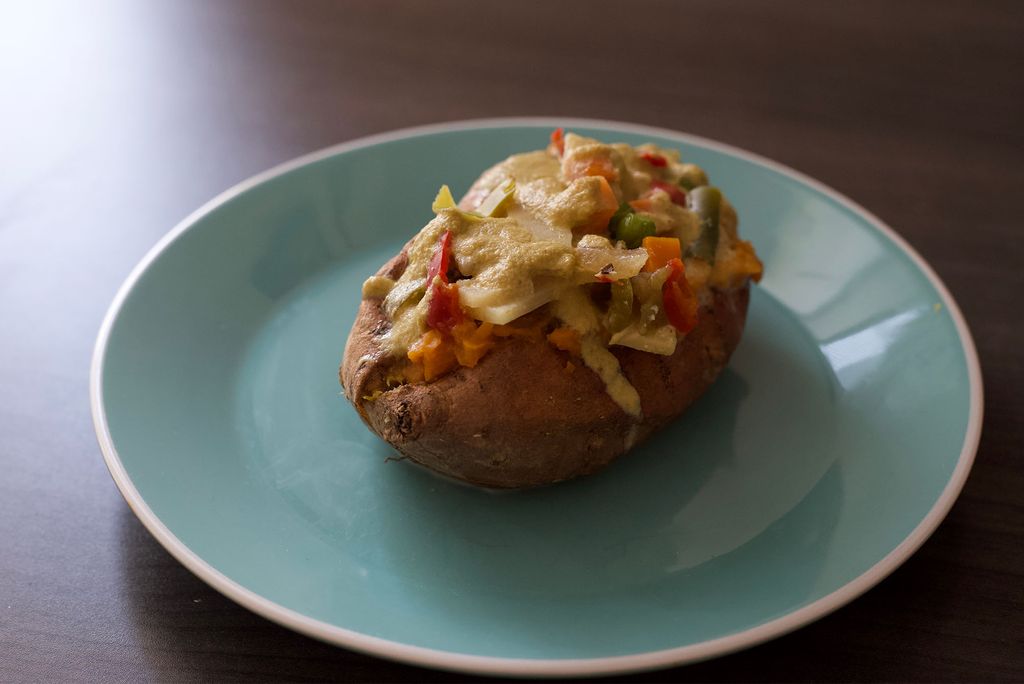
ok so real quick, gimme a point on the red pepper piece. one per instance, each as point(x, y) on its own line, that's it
point(444, 312)
point(677, 194)
point(558, 140)
point(679, 300)
point(654, 159)
point(676, 270)
point(441, 259)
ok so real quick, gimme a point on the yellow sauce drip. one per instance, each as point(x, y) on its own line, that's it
point(377, 287)
point(576, 310)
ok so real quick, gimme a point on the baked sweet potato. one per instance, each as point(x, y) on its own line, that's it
point(501, 391)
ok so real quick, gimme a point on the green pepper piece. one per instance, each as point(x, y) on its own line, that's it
point(692, 176)
point(620, 310)
point(647, 287)
point(622, 212)
point(706, 202)
point(633, 228)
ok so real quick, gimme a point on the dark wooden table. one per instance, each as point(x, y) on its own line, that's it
point(117, 119)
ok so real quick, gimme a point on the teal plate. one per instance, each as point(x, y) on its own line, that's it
point(827, 452)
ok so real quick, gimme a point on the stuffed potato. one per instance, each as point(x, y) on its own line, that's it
point(577, 299)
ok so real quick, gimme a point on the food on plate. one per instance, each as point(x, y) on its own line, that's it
point(575, 300)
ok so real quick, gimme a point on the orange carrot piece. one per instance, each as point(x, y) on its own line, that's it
point(660, 251)
point(592, 166)
point(607, 205)
point(643, 204)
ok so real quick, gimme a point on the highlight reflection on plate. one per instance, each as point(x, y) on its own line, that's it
point(831, 447)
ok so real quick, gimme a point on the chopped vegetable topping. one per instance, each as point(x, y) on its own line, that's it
point(660, 251)
point(558, 140)
point(633, 228)
point(645, 203)
point(692, 176)
point(621, 212)
point(647, 287)
point(620, 310)
point(444, 312)
point(630, 228)
point(595, 254)
point(443, 200)
point(654, 159)
point(673, 191)
point(680, 302)
point(441, 259)
point(546, 229)
point(592, 166)
point(497, 199)
point(706, 201)
point(606, 207)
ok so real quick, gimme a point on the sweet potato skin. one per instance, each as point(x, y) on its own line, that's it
point(520, 418)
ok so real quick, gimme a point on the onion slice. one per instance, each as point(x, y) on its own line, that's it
point(661, 340)
point(541, 230)
point(598, 259)
point(501, 313)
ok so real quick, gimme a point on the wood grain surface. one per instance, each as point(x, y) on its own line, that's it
point(119, 118)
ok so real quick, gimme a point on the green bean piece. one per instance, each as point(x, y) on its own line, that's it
point(620, 310)
point(633, 228)
point(706, 202)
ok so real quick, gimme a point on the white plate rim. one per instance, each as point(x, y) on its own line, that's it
point(487, 665)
